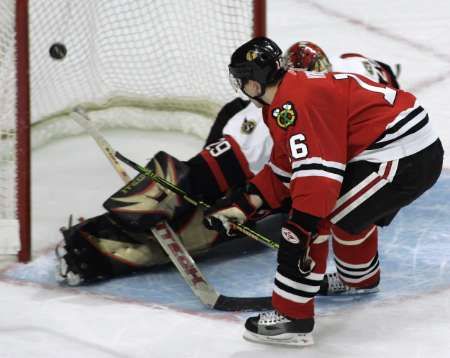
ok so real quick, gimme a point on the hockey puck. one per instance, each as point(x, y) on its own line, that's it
point(58, 51)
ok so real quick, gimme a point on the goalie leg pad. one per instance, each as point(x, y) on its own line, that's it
point(98, 248)
point(143, 202)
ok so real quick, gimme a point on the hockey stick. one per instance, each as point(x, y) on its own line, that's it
point(167, 184)
point(80, 116)
point(195, 279)
point(172, 245)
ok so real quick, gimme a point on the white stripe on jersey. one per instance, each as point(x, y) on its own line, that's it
point(316, 166)
point(309, 172)
point(402, 147)
point(317, 173)
point(404, 128)
point(402, 115)
point(279, 171)
point(317, 160)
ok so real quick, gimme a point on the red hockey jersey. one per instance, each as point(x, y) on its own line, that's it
point(319, 122)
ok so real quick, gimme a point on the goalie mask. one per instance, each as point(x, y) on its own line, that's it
point(259, 59)
point(305, 55)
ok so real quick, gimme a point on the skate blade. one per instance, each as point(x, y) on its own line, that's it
point(354, 292)
point(285, 339)
point(61, 266)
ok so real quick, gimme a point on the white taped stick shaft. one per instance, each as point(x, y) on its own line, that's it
point(80, 116)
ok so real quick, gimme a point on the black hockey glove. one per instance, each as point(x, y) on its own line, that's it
point(235, 207)
point(296, 241)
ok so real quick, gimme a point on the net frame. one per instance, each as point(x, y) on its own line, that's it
point(23, 115)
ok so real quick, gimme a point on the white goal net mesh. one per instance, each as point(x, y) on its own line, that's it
point(160, 55)
point(133, 63)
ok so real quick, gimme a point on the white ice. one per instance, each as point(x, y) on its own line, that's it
point(72, 177)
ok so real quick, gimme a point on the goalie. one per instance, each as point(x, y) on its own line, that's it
point(238, 146)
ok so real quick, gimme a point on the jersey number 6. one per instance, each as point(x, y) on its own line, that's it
point(298, 147)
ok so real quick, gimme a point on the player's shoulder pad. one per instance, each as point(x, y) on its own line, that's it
point(225, 114)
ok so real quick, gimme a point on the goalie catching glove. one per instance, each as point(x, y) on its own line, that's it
point(236, 207)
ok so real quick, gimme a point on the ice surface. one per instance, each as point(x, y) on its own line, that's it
point(410, 317)
point(414, 256)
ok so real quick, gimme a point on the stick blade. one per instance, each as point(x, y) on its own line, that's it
point(243, 304)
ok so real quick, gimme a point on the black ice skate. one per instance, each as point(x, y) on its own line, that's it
point(274, 328)
point(332, 285)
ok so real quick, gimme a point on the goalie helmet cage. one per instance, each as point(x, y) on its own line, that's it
point(116, 58)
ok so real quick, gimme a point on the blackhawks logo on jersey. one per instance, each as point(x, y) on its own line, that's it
point(286, 115)
point(248, 126)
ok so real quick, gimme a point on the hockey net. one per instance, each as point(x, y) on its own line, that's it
point(158, 64)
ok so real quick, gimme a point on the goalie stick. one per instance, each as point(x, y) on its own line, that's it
point(80, 116)
point(171, 243)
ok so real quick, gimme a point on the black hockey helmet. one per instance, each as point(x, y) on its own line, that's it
point(259, 59)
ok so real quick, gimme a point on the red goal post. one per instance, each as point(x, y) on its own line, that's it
point(111, 55)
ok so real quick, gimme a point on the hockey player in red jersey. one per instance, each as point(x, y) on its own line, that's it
point(349, 153)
